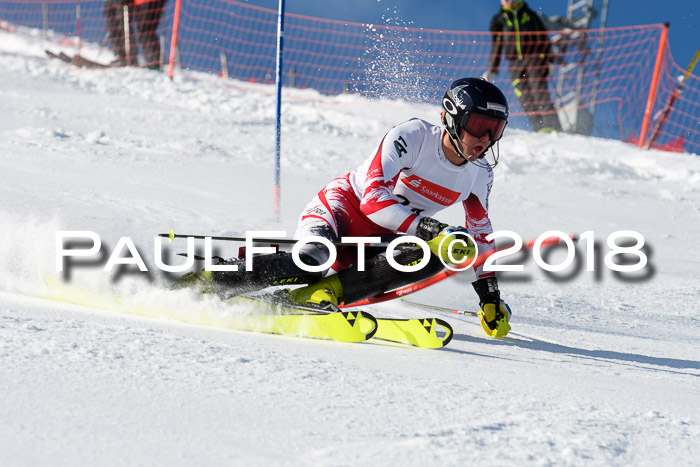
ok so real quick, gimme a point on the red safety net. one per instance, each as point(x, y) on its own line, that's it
point(594, 82)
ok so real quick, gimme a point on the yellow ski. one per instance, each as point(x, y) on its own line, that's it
point(276, 318)
point(257, 315)
point(344, 326)
point(429, 333)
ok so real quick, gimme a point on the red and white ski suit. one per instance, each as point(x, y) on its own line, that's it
point(408, 177)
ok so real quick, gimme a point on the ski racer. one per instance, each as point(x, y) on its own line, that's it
point(417, 170)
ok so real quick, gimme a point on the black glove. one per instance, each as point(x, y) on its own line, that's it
point(429, 228)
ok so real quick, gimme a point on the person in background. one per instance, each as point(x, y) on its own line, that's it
point(519, 33)
point(115, 25)
point(147, 15)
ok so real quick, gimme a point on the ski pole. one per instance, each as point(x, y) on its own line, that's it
point(415, 287)
point(172, 235)
point(441, 308)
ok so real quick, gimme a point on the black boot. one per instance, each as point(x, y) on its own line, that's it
point(379, 276)
point(267, 270)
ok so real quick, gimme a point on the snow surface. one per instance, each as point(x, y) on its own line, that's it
point(600, 369)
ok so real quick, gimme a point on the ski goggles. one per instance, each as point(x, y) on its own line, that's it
point(478, 125)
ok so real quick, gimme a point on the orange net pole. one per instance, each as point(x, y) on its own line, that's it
point(173, 39)
point(654, 85)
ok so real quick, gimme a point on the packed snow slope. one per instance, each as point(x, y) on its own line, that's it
point(600, 368)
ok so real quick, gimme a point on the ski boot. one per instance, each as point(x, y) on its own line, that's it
point(326, 293)
point(202, 282)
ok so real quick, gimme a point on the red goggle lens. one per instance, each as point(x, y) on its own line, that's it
point(479, 124)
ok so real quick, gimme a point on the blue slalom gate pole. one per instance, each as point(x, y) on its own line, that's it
point(278, 109)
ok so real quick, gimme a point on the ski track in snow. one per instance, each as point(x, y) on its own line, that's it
point(599, 369)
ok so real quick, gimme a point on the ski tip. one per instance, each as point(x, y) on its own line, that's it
point(426, 333)
point(447, 331)
point(371, 318)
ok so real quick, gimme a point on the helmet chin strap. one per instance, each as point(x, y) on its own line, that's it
point(482, 162)
point(459, 148)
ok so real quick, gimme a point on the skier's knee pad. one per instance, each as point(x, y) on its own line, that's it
point(314, 254)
